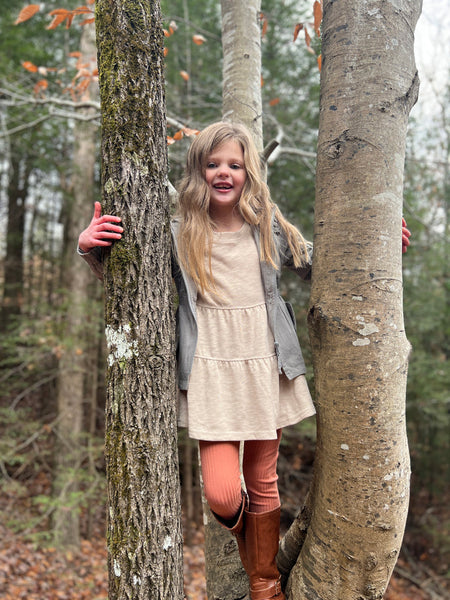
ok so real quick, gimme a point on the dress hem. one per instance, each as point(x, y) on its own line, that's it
point(242, 437)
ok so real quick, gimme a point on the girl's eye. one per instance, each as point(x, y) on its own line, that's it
point(236, 166)
point(210, 165)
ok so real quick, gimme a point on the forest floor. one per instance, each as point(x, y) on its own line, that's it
point(34, 571)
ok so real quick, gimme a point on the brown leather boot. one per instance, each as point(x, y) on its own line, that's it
point(236, 526)
point(262, 532)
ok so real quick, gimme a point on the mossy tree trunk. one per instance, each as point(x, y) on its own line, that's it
point(356, 519)
point(144, 527)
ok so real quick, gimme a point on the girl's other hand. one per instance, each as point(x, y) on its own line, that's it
point(405, 235)
point(101, 231)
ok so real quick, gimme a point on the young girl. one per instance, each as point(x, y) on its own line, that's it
point(240, 367)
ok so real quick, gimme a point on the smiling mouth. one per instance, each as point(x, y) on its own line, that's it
point(223, 186)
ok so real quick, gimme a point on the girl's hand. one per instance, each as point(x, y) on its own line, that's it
point(405, 235)
point(101, 231)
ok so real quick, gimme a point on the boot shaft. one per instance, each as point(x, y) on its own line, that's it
point(262, 535)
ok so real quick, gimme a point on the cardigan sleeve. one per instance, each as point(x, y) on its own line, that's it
point(286, 258)
point(94, 259)
point(304, 271)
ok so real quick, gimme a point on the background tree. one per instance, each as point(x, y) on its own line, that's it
point(241, 102)
point(427, 202)
point(13, 290)
point(81, 316)
point(241, 71)
point(144, 527)
point(21, 162)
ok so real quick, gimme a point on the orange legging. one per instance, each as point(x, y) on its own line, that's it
point(221, 475)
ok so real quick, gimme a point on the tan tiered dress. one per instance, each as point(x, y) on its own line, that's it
point(235, 391)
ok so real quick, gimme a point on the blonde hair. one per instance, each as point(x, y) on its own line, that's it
point(196, 226)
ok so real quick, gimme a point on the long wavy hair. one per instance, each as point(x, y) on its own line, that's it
point(196, 226)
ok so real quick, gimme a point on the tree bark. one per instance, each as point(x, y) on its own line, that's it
point(13, 283)
point(241, 74)
point(144, 526)
point(369, 84)
point(226, 578)
point(79, 315)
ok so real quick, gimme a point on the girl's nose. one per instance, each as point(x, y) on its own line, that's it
point(223, 170)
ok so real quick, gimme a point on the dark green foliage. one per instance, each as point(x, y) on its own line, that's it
point(26, 450)
point(426, 304)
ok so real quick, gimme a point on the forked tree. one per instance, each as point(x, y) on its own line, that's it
point(349, 535)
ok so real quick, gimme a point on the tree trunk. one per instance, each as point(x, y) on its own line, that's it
point(369, 84)
point(79, 315)
point(144, 526)
point(226, 578)
point(241, 75)
point(19, 173)
point(241, 43)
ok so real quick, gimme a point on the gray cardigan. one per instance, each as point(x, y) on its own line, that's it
point(280, 314)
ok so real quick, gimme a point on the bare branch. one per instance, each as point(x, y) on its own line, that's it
point(24, 126)
point(297, 151)
point(271, 146)
point(197, 28)
point(51, 100)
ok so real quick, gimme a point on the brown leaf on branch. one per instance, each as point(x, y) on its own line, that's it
point(29, 66)
point(297, 30)
point(40, 86)
point(188, 131)
point(27, 12)
point(265, 24)
point(308, 42)
point(80, 10)
point(317, 17)
point(198, 39)
point(59, 16)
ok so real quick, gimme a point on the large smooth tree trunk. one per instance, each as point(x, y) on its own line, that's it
point(369, 84)
point(144, 524)
point(80, 315)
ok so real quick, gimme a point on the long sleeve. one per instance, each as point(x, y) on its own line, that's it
point(94, 259)
point(305, 270)
point(286, 259)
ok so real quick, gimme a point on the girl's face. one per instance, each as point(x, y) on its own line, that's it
point(225, 176)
